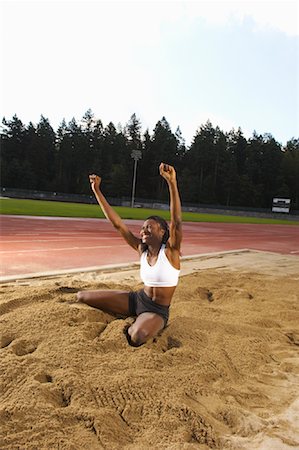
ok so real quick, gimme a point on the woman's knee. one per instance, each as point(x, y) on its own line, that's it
point(138, 335)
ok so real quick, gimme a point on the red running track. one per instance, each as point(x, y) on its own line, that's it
point(34, 245)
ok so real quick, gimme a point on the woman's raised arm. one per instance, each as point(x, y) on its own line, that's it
point(175, 229)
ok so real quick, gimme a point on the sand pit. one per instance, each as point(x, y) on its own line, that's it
point(224, 374)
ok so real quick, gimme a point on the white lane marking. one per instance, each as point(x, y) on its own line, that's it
point(27, 234)
point(295, 251)
point(61, 249)
point(59, 240)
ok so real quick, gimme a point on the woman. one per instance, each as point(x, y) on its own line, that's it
point(159, 250)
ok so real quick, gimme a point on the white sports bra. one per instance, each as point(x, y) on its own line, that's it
point(161, 274)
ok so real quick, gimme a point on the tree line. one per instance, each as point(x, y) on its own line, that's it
point(216, 168)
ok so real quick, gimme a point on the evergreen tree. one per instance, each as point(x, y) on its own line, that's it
point(253, 191)
point(90, 141)
point(133, 132)
point(144, 173)
point(234, 167)
point(63, 156)
point(43, 158)
point(98, 147)
point(220, 171)
point(70, 156)
point(15, 167)
point(114, 154)
point(202, 161)
point(31, 145)
point(290, 169)
point(163, 147)
point(263, 169)
point(181, 144)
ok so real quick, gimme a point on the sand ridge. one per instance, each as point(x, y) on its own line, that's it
point(224, 373)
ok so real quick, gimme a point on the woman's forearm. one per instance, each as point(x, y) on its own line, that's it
point(109, 212)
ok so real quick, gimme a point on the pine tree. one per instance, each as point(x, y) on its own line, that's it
point(290, 169)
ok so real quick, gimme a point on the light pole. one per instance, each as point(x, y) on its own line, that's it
point(136, 155)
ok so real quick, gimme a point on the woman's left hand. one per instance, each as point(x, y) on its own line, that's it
point(167, 172)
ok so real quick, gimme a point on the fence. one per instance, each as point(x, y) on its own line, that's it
point(148, 203)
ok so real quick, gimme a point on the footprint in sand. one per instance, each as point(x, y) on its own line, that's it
point(5, 341)
point(171, 343)
point(204, 294)
point(43, 378)
point(293, 337)
point(51, 393)
point(23, 347)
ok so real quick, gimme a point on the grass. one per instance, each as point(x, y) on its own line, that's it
point(64, 209)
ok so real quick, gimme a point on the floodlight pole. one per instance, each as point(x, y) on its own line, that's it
point(136, 155)
point(134, 183)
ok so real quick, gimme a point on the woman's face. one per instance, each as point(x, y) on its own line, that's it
point(151, 232)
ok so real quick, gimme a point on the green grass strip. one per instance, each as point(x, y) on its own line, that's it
point(64, 209)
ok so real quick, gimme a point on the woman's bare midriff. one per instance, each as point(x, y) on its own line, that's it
point(160, 295)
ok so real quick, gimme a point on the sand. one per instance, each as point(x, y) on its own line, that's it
point(223, 375)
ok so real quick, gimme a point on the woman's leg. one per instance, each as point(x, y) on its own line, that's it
point(146, 326)
point(116, 302)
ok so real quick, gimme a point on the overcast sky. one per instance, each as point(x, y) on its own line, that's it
point(235, 63)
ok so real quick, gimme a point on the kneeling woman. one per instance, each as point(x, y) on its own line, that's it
point(159, 250)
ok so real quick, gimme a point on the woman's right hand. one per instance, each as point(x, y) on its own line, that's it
point(95, 182)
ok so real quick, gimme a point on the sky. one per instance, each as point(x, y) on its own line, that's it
point(233, 63)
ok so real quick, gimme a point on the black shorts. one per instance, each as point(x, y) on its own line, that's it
point(139, 303)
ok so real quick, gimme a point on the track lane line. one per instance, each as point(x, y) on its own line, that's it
point(58, 249)
point(58, 240)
